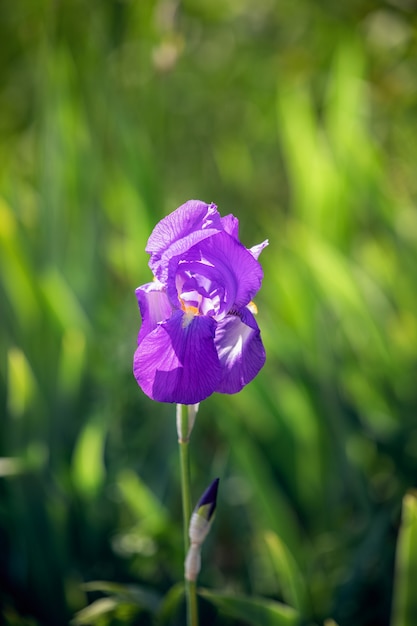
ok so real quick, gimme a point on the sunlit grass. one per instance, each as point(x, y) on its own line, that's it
point(301, 122)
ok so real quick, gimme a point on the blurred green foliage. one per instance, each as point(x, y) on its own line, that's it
point(298, 117)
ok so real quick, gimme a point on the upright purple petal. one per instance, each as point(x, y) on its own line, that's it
point(235, 264)
point(177, 361)
point(240, 349)
point(230, 224)
point(201, 283)
point(177, 232)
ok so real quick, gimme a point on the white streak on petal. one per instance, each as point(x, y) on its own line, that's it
point(256, 250)
point(240, 349)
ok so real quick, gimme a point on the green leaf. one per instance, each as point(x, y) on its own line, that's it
point(21, 382)
point(133, 594)
point(103, 611)
point(144, 505)
point(289, 576)
point(170, 604)
point(404, 612)
point(254, 611)
point(63, 301)
point(88, 468)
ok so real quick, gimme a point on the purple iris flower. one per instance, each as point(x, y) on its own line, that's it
point(198, 333)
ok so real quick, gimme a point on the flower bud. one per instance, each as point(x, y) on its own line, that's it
point(199, 527)
point(193, 563)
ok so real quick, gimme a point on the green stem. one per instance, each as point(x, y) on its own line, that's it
point(192, 603)
point(183, 441)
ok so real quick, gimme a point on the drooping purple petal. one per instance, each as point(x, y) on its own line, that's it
point(177, 361)
point(235, 264)
point(154, 307)
point(177, 232)
point(240, 349)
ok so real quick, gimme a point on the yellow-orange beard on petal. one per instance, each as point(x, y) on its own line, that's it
point(189, 313)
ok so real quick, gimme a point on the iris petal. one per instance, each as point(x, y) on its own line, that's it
point(176, 233)
point(240, 349)
point(178, 361)
point(214, 284)
point(235, 264)
point(154, 307)
point(230, 224)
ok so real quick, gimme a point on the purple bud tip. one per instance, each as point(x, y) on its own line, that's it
point(209, 499)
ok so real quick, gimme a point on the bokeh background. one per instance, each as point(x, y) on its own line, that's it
point(300, 118)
